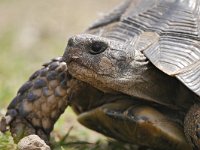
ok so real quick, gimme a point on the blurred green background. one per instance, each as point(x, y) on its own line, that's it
point(33, 32)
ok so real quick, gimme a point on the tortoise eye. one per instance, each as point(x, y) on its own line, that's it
point(97, 47)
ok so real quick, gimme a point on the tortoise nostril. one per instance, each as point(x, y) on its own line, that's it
point(70, 42)
point(97, 47)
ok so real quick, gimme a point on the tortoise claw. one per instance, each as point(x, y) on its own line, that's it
point(21, 128)
point(3, 125)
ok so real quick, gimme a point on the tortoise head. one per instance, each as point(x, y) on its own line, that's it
point(104, 63)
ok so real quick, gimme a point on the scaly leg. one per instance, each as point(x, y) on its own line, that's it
point(192, 126)
point(39, 102)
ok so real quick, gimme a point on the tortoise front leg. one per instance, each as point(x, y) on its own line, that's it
point(192, 126)
point(40, 101)
point(136, 123)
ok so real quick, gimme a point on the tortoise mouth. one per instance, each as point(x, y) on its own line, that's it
point(86, 74)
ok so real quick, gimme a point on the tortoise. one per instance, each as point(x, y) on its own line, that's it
point(132, 76)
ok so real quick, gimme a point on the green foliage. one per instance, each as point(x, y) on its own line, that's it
point(73, 143)
point(6, 142)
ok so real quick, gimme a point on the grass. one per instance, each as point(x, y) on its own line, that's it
point(7, 142)
point(31, 34)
